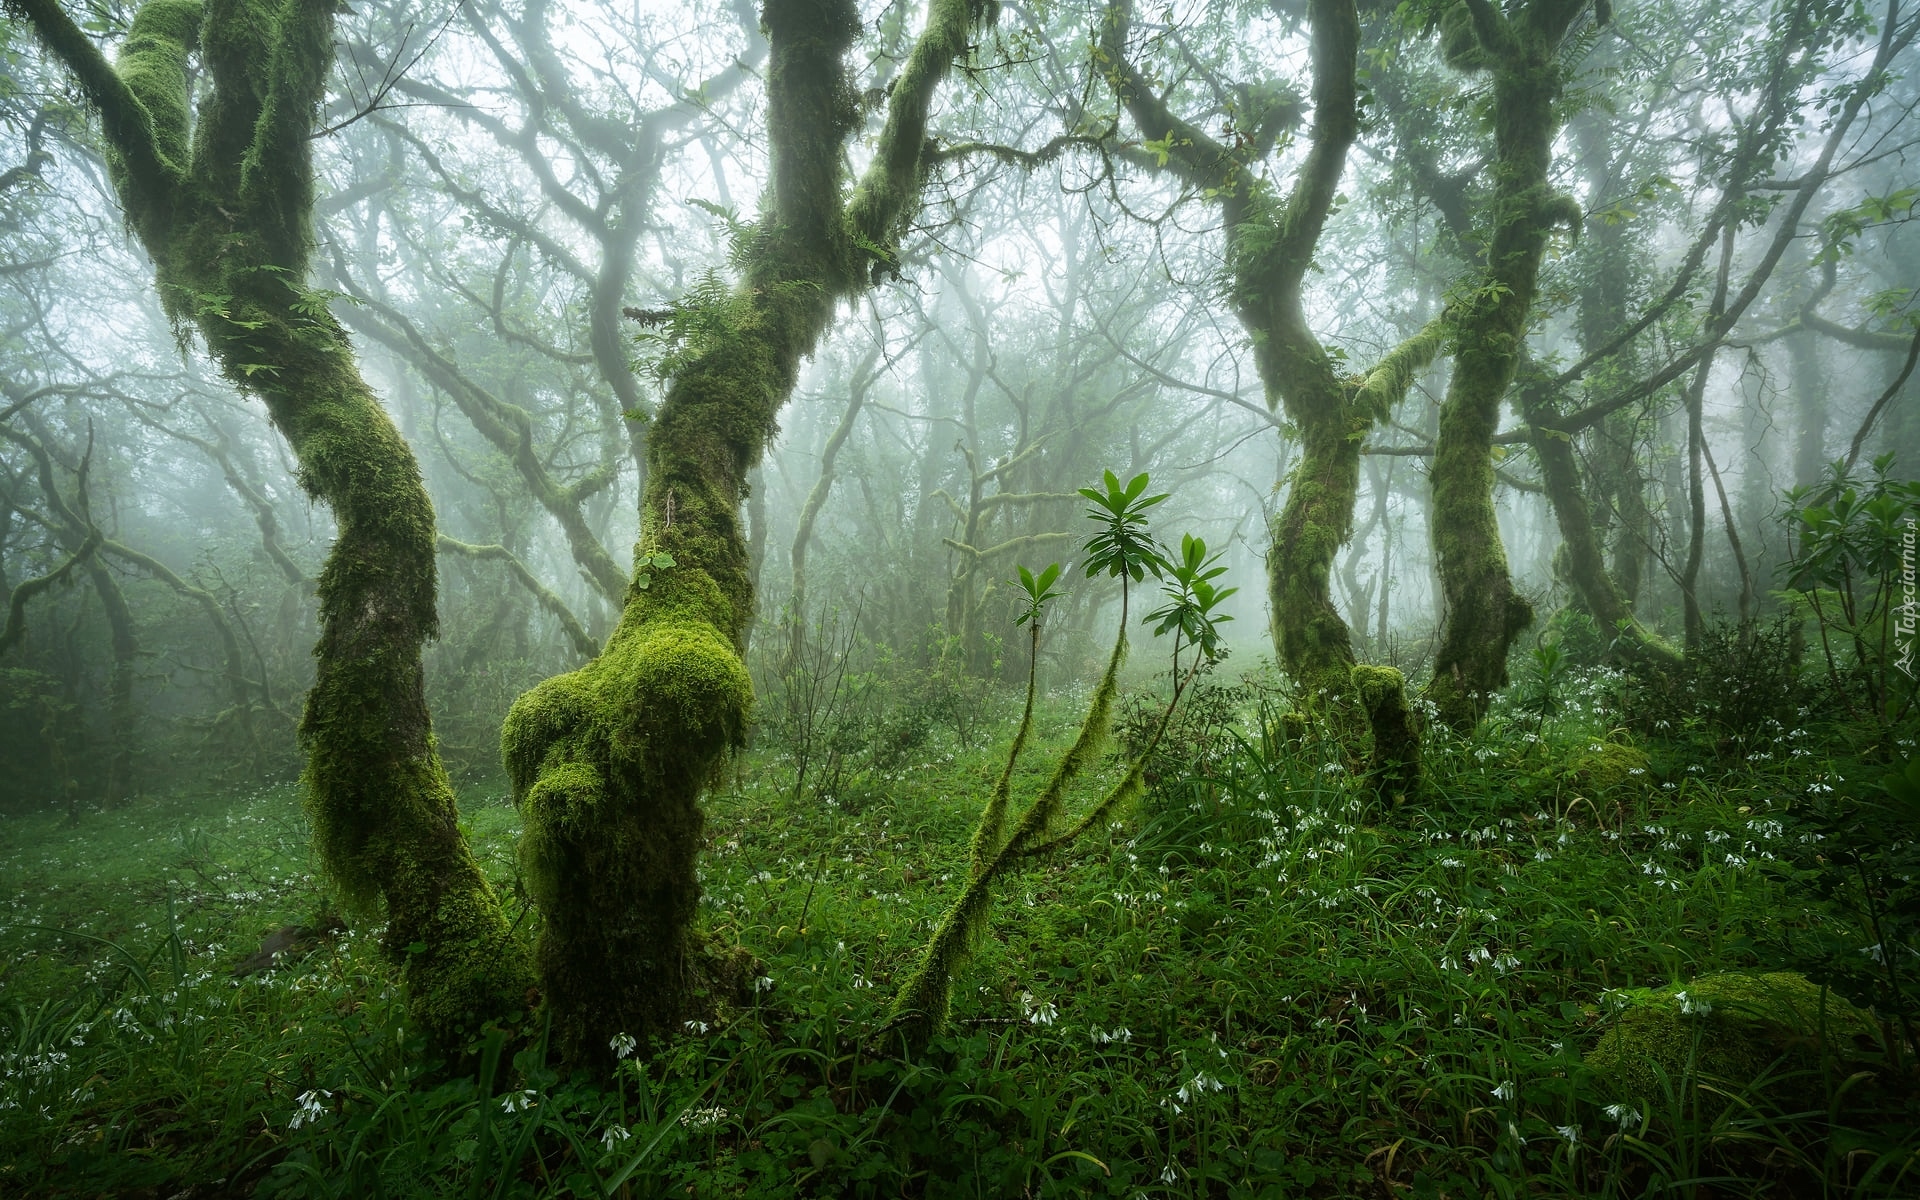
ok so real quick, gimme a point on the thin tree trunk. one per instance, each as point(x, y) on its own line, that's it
point(1481, 612)
point(863, 376)
point(1810, 409)
point(1694, 623)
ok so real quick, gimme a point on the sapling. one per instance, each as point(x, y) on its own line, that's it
point(1120, 548)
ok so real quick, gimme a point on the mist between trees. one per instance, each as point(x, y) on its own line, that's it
point(634, 400)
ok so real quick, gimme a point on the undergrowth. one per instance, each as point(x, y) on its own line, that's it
point(1261, 984)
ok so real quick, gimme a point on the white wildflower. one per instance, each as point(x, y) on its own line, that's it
point(313, 1106)
point(514, 1102)
point(703, 1118)
point(1198, 1086)
point(1037, 1012)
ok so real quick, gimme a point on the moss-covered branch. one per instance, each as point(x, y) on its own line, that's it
point(920, 1005)
point(150, 146)
point(1028, 541)
point(1387, 384)
point(27, 589)
point(888, 195)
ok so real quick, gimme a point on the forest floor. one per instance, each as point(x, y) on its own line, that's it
point(1263, 984)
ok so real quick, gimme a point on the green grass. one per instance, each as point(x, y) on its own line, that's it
point(1264, 985)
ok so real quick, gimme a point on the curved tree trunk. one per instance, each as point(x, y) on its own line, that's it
point(1602, 309)
point(1586, 556)
point(222, 203)
point(608, 762)
point(1271, 241)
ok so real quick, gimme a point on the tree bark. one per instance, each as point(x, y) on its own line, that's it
point(1270, 245)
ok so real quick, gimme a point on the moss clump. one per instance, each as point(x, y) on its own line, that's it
point(607, 765)
point(1732, 1029)
point(153, 63)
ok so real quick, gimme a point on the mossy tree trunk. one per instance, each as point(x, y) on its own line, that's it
point(608, 762)
point(1481, 612)
point(222, 204)
point(1270, 245)
point(1586, 554)
point(1602, 310)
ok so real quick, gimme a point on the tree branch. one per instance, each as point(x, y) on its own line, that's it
point(547, 598)
point(127, 122)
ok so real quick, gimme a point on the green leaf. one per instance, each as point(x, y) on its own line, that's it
point(663, 560)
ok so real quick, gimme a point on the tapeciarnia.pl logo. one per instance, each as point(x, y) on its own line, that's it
point(1903, 624)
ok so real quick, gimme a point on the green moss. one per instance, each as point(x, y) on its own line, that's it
point(607, 764)
point(153, 64)
point(1459, 45)
point(1728, 1030)
point(225, 221)
point(1312, 639)
point(1482, 614)
point(1602, 766)
point(920, 1005)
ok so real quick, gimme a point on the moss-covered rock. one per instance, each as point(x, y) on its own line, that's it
point(1730, 1029)
point(1601, 766)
